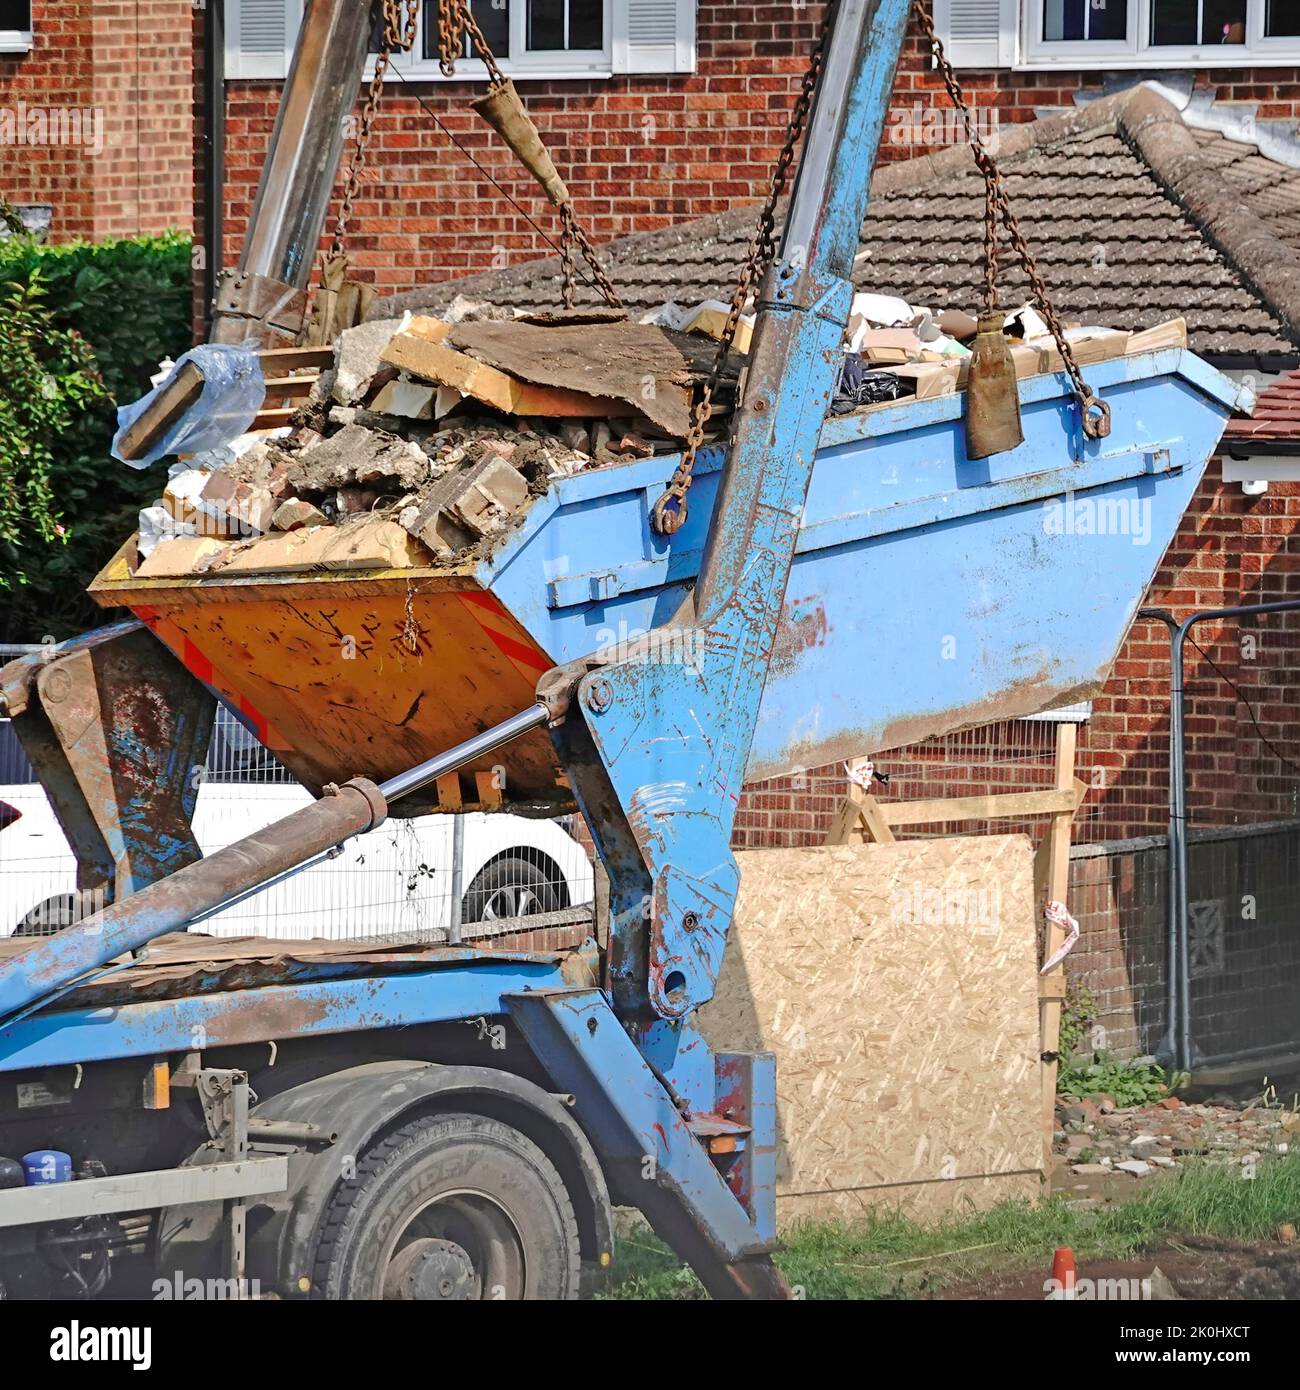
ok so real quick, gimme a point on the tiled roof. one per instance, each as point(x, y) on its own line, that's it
point(1269, 189)
point(1134, 219)
point(1276, 419)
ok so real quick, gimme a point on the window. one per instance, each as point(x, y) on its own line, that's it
point(528, 36)
point(493, 19)
point(1283, 20)
point(15, 26)
point(554, 28)
point(531, 38)
point(1192, 22)
point(1152, 33)
point(1090, 21)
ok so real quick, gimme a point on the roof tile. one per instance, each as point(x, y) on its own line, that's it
point(1105, 201)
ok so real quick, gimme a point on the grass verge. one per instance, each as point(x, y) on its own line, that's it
point(891, 1256)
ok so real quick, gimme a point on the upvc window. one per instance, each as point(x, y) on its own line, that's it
point(15, 26)
point(528, 37)
point(1159, 33)
point(531, 38)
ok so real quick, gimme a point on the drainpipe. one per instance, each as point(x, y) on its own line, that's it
point(264, 301)
point(214, 139)
point(1167, 1051)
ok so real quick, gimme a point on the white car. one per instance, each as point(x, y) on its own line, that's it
point(394, 881)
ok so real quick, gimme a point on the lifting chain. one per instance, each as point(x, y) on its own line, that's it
point(670, 511)
point(400, 20)
point(455, 20)
point(1095, 413)
point(573, 233)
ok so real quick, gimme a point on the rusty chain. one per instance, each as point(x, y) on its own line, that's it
point(573, 233)
point(400, 20)
point(455, 20)
point(670, 510)
point(568, 267)
point(1095, 413)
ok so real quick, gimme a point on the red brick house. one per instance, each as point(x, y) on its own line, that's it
point(658, 110)
point(663, 110)
point(96, 115)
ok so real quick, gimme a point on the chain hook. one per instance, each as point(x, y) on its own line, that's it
point(1096, 416)
point(1096, 413)
point(669, 513)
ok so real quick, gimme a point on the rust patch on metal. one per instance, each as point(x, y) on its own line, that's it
point(802, 626)
point(1029, 696)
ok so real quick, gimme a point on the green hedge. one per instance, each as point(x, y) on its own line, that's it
point(81, 328)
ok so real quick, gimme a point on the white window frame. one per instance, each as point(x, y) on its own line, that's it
point(17, 40)
point(1137, 52)
point(523, 65)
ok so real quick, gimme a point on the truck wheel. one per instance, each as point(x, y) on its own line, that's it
point(450, 1207)
point(510, 887)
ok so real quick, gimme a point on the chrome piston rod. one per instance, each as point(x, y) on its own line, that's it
point(406, 782)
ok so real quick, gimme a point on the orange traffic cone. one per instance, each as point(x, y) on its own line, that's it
point(1064, 1274)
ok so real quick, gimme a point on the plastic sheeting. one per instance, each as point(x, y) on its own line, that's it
point(233, 391)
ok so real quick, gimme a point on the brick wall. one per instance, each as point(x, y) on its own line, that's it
point(1243, 757)
point(638, 153)
point(104, 104)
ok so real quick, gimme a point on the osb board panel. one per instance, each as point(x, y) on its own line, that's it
point(897, 986)
point(927, 1202)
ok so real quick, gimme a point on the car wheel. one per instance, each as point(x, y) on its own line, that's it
point(509, 887)
point(450, 1208)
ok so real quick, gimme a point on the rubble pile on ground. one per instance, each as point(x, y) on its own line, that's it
point(1096, 1138)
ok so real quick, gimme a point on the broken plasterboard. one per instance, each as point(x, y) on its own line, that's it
point(420, 350)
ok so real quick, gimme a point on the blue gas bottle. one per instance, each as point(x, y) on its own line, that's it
point(43, 1166)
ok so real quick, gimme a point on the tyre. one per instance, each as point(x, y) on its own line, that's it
point(450, 1208)
point(510, 887)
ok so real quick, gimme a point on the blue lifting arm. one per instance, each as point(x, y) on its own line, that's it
point(656, 745)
